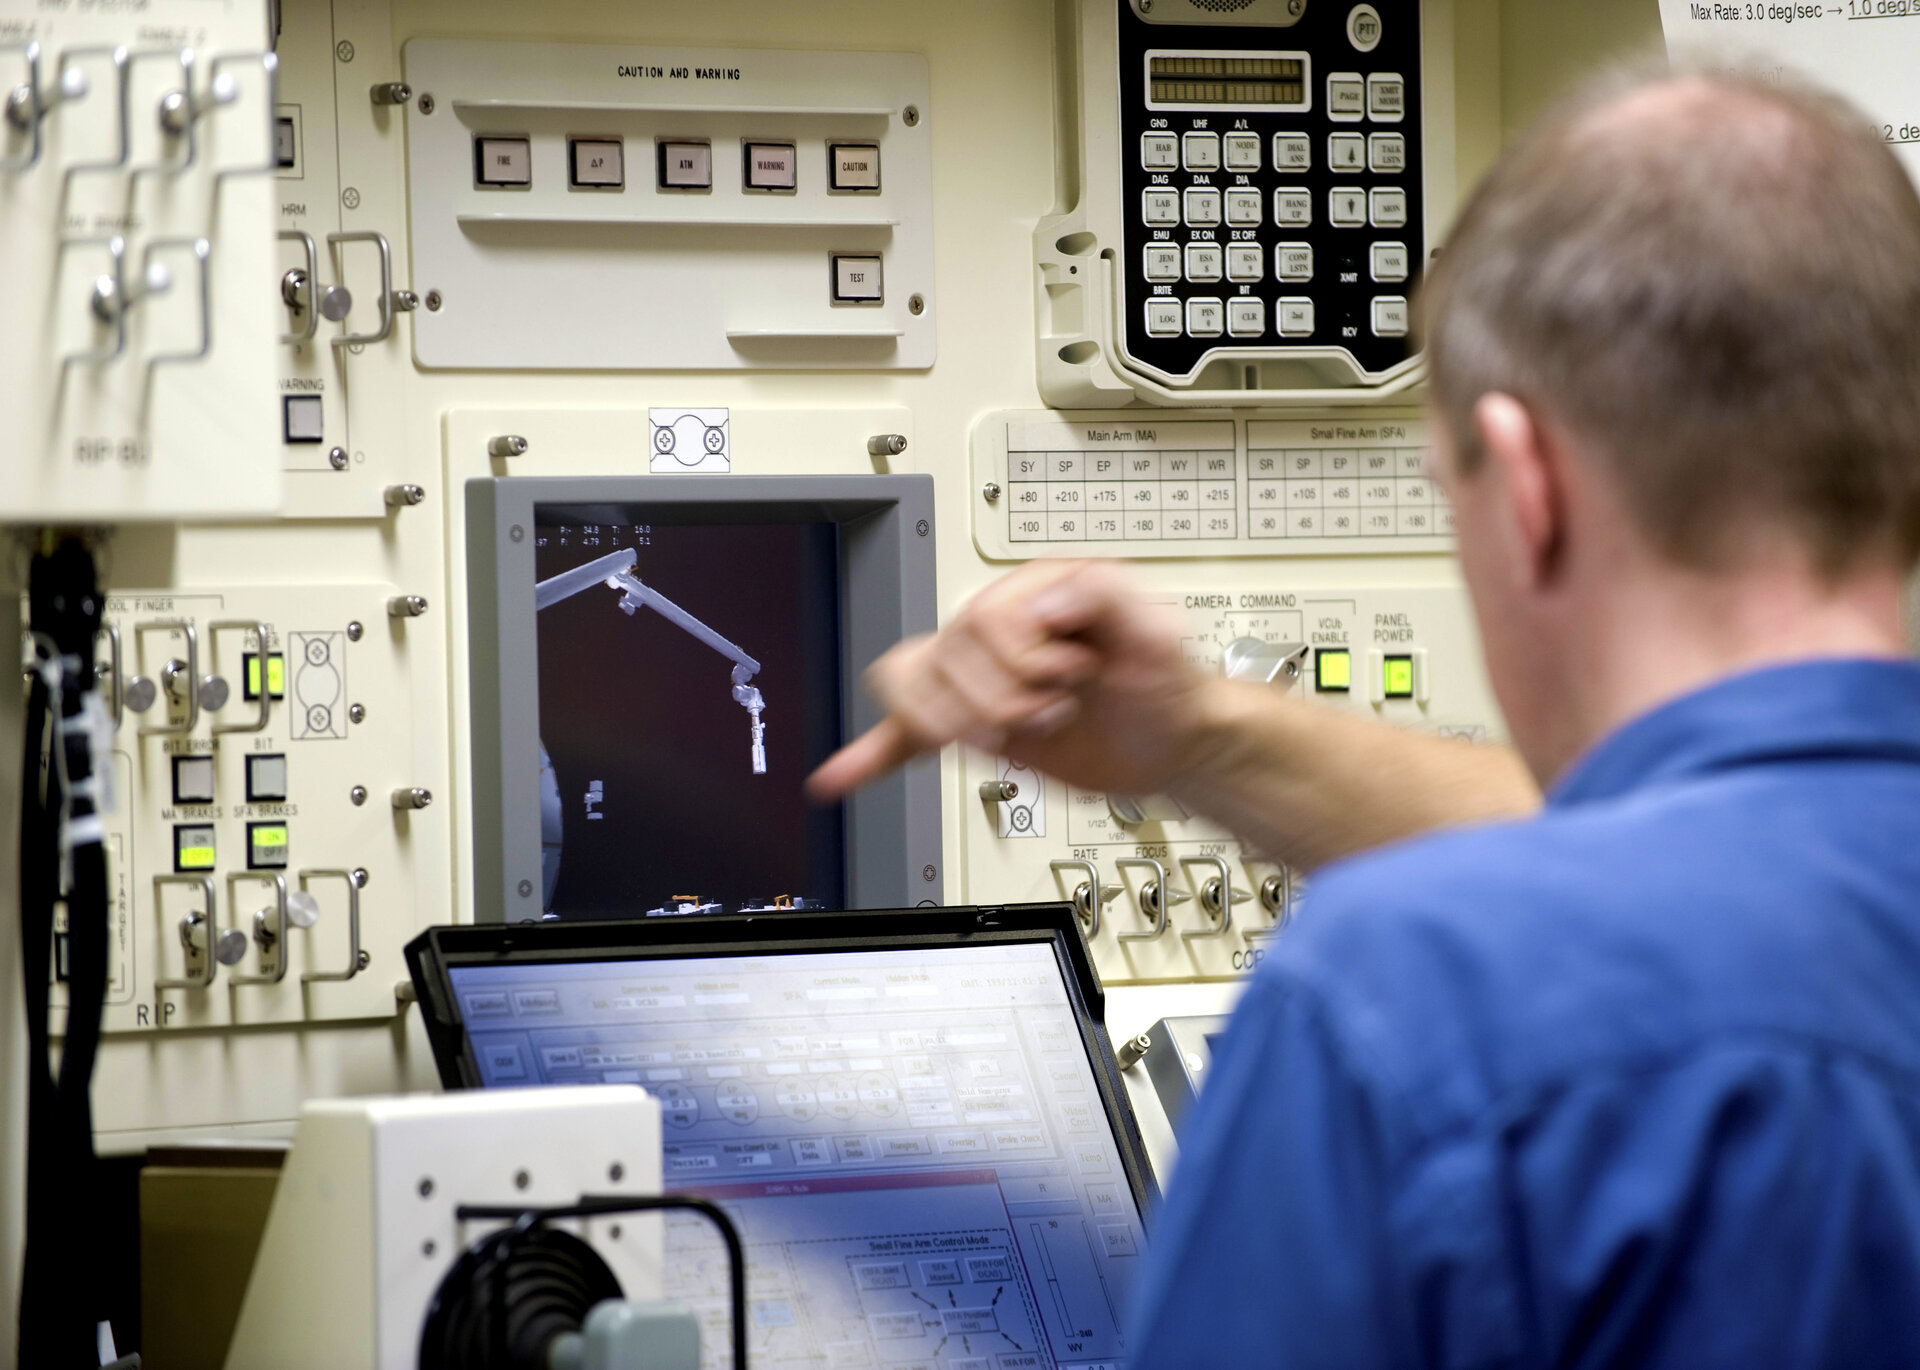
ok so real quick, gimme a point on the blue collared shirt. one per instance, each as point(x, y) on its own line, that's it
point(1632, 1083)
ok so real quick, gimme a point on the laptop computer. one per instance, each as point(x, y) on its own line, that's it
point(914, 1115)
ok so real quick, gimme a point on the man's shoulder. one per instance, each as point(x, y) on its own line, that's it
point(1496, 962)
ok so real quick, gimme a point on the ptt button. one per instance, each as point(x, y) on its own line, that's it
point(1246, 317)
point(1293, 261)
point(1159, 152)
point(1363, 28)
point(1206, 318)
point(1161, 262)
point(1386, 98)
point(1163, 318)
point(1296, 317)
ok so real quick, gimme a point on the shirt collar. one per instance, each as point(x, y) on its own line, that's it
point(1807, 709)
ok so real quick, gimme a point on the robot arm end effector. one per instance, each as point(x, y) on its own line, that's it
point(748, 697)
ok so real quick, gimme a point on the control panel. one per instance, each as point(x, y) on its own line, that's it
point(1165, 894)
point(267, 851)
point(1134, 485)
point(606, 208)
point(135, 216)
point(1254, 203)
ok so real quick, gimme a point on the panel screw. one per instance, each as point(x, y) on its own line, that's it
point(426, 102)
point(517, 533)
point(337, 458)
point(923, 527)
point(357, 712)
point(364, 960)
point(1146, 6)
point(991, 492)
point(426, 1186)
point(427, 1248)
point(927, 873)
point(1295, 6)
point(354, 631)
point(350, 197)
point(521, 1179)
point(360, 877)
point(916, 305)
point(614, 1232)
point(910, 116)
point(526, 888)
point(343, 50)
point(616, 1172)
point(358, 794)
point(433, 302)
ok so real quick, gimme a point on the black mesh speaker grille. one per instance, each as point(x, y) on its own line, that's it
point(507, 1298)
point(1220, 6)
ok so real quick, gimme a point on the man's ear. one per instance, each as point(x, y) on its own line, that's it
point(1529, 486)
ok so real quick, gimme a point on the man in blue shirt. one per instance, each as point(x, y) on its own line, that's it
point(1634, 1080)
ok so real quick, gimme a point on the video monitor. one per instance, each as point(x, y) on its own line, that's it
point(915, 1119)
point(658, 663)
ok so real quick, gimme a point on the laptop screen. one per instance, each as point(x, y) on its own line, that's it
point(912, 1140)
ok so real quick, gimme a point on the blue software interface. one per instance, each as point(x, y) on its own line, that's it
point(912, 1143)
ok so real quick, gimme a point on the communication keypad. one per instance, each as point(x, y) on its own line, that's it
point(1273, 161)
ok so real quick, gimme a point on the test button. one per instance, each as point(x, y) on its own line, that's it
point(856, 279)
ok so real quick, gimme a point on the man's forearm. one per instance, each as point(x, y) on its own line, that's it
point(1308, 786)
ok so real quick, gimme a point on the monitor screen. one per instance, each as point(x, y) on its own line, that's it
point(689, 680)
point(913, 1142)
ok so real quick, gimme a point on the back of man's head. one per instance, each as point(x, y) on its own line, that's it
point(1713, 285)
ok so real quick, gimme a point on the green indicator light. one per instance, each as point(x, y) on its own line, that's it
point(266, 846)
point(269, 837)
point(1397, 679)
point(276, 676)
point(1333, 670)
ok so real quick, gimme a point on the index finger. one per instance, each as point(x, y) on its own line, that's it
point(880, 749)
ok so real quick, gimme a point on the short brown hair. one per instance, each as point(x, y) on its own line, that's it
point(1714, 284)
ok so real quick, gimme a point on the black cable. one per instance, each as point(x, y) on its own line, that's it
point(589, 1206)
point(62, 859)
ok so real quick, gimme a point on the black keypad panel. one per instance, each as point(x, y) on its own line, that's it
point(1272, 185)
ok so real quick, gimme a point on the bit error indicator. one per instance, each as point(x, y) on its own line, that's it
point(1227, 80)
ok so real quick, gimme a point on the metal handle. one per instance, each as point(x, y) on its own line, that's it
point(1089, 909)
point(355, 957)
point(121, 72)
point(201, 250)
point(178, 114)
point(262, 632)
point(205, 884)
point(182, 625)
point(1159, 882)
point(276, 938)
point(270, 65)
point(379, 240)
point(294, 235)
point(116, 676)
point(29, 96)
point(115, 285)
point(1219, 863)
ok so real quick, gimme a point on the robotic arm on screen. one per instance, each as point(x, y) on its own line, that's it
point(615, 570)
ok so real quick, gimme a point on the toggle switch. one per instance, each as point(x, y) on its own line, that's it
point(112, 297)
point(26, 106)
point(180, 108)
point(297, 290)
